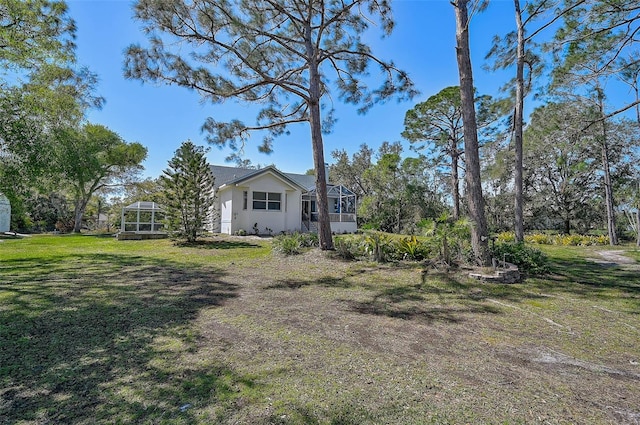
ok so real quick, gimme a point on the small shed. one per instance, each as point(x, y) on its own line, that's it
point(142, 220)
point(5, 214)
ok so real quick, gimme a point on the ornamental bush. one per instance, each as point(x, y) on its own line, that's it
point(506, 237)
point(529, 260)
point(294, 243)
point(287, 245)
point(567, 240)
point(412, 248)
point(349, 248)
point(540, 238)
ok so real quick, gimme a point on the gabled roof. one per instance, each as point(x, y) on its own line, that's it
point(227, 176)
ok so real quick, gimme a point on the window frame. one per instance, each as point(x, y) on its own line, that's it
point(266, 201)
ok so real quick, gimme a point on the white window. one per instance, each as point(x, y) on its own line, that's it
point(266, 201)
point(244, 200)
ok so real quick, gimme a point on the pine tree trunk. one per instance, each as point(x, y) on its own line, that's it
point(325, 238)
point(479, 238)
point(638, 212)
point(455, 182)
point(608, 192)
point(517, 127)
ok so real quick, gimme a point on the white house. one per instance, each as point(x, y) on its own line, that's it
point(268, 201)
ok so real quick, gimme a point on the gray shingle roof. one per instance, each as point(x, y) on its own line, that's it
point(305, 180)
point(225, 175)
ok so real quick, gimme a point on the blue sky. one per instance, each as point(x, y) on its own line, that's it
point(161, 117)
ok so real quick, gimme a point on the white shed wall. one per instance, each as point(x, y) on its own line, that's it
point(5, 214)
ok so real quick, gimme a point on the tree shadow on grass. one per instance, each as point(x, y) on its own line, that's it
point(451, 301)
point(596, 277)
point(325, 282)
point(98, 338)
point(415, 302)
point(577, 277)
point(207, 244)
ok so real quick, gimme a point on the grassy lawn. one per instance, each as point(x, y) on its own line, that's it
point(93, 330)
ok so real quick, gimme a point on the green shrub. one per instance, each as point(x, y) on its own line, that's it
point(588, 240)
point(411, 248)
point(570, 240)
point(379, 246)
point(294, 243)
point(539, 238)
point(600, 240)
point(506, 237)
point(349, 248)
point(307, 240)
point(529, 260)
point(287, 245)
point(567, 240)
point(450, 239)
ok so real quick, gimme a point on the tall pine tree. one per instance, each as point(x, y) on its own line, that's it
point(188, 185)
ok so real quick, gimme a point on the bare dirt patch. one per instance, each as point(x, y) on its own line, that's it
point(406, 350)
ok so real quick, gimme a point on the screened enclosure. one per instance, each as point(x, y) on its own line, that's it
point(142, 217)
point(342, 204)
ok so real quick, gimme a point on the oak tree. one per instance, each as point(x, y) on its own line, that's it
point(91, 158)
point(350, 172)
point(41, 91)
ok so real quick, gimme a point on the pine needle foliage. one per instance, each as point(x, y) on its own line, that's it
point(189, 191)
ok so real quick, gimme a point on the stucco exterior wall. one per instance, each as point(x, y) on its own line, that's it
point(236, 212)
point(269, 221)
point(233, 215)
point(226, 212)
point(294, 211)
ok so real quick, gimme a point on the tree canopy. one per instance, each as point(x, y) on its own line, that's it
point(435, 129)
point(34, 33)
point(92, 158)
